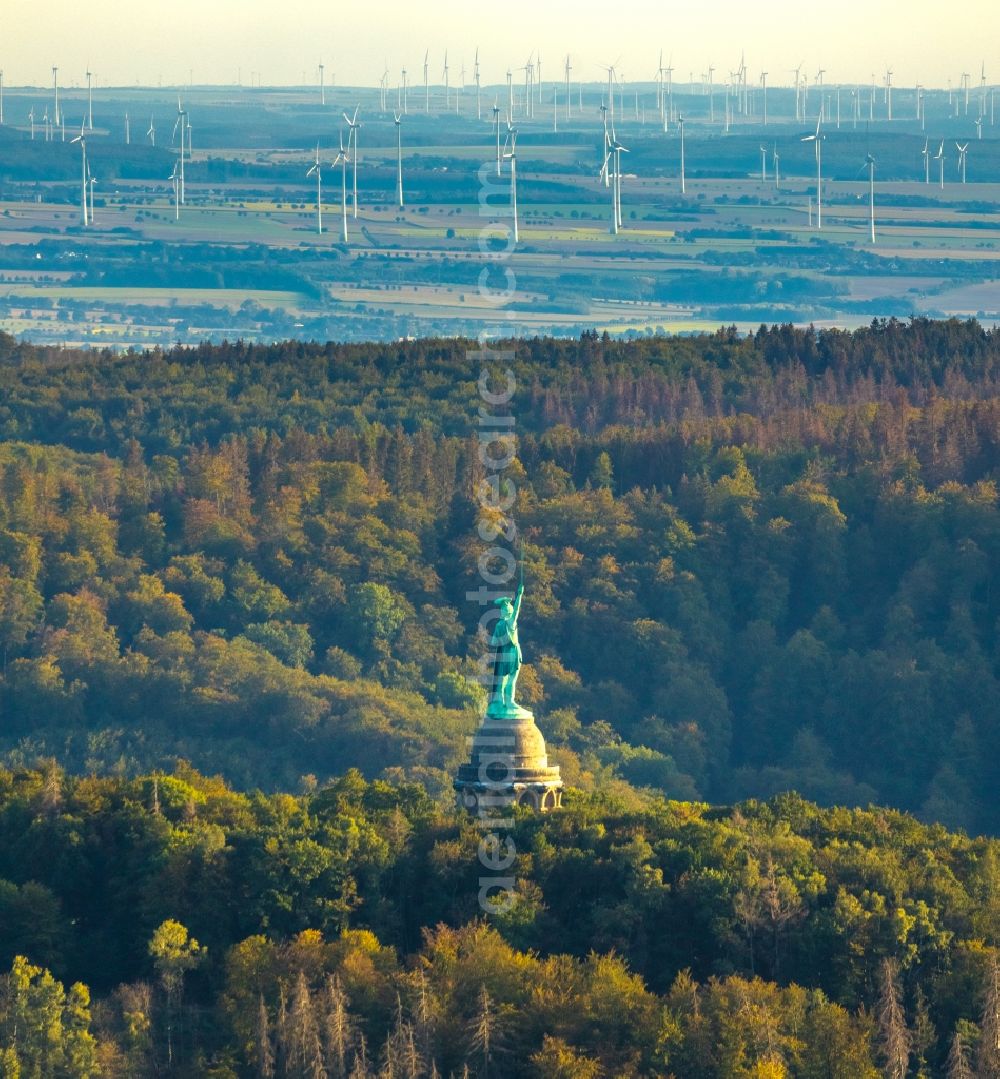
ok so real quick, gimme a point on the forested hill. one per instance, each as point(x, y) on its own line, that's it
point(338, 933)
point(755, 564)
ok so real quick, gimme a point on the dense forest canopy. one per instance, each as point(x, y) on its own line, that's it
point(775, 939)
point(756, 565)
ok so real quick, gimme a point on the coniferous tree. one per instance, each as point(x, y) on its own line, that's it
point(894, 1037)
point(337, 1030)
point(988, 1056)
point(264, 1048)
point(484, 1034)
point(957, 1066)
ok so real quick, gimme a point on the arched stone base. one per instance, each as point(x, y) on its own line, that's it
point(508, 766)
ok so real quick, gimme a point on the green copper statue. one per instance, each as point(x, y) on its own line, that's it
point(506, 649)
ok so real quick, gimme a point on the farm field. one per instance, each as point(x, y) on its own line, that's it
point(243, 254)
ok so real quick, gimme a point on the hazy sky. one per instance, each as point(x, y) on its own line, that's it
point(929, 41)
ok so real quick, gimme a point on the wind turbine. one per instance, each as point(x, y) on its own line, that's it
point(606, 145)
point(82, 140)
point(479, 88)
point(529, 71)
point(322, 83)
point(680, 124)
point(180, 122)
point(317, 168)
point(47, 126)
point(511, 156)
point(446, 92)
point(427, 85)
point(614, 160)
point(399, 157)
point(939, 158)
point(777, 161)
point(888, 92)
point(341, 160)
point(668, 111)
point(763, 90)
point(925, 153)
point(352, 137)
point(151, 132)
point(90, 101)
point(962, 154)
point(569, 96)
point(128, 132)
point(817, 140)
point(175, 180)
point(763, 163)
point(659, 86)
point(55, 92)
point(31, 120)
point(979, 128)
point(496, 124)
point(870, 166)
point(610, 69)
point(405, 96)
point(92, 179)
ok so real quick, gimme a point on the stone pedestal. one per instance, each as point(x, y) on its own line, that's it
point(508, 766)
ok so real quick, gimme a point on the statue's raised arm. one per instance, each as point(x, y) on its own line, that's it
point(517, 602)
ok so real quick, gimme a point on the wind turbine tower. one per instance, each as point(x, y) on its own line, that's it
point(341, 160)
point(82, 140)
point(352, 139)
point(479, 88)
point(399, 158)
point(496, 124)
point(511, 156)
point(569, 95)
point(317, 169)
point(180, 122)
point(817, 141)
point(870, 165)
point(680, 124)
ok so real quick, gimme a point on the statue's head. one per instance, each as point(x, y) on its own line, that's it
point(506, 607)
